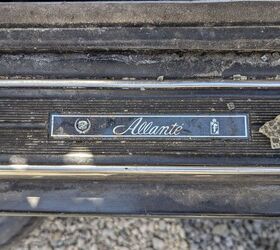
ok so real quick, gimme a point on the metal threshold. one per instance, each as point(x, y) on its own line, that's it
point(136, 84)
point(84, 170)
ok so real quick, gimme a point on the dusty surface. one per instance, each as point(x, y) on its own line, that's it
point(106, 233)
point(149, 233)
point(67, 13)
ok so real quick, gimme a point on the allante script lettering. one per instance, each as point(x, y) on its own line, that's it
point(141, 127)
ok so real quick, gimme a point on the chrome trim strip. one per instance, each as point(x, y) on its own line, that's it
point(128, 84)
point(90, 170)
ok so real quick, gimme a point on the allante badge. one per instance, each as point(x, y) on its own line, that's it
point(199, 126)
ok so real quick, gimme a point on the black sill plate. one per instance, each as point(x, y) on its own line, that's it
point(186, 126)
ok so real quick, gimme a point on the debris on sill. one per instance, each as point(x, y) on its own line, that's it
point(160, 78)
point(230, 106)
point(271, 129)
point(239, 78)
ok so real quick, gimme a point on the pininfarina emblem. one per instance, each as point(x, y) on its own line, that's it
point(214, 127)
point(187, 126)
